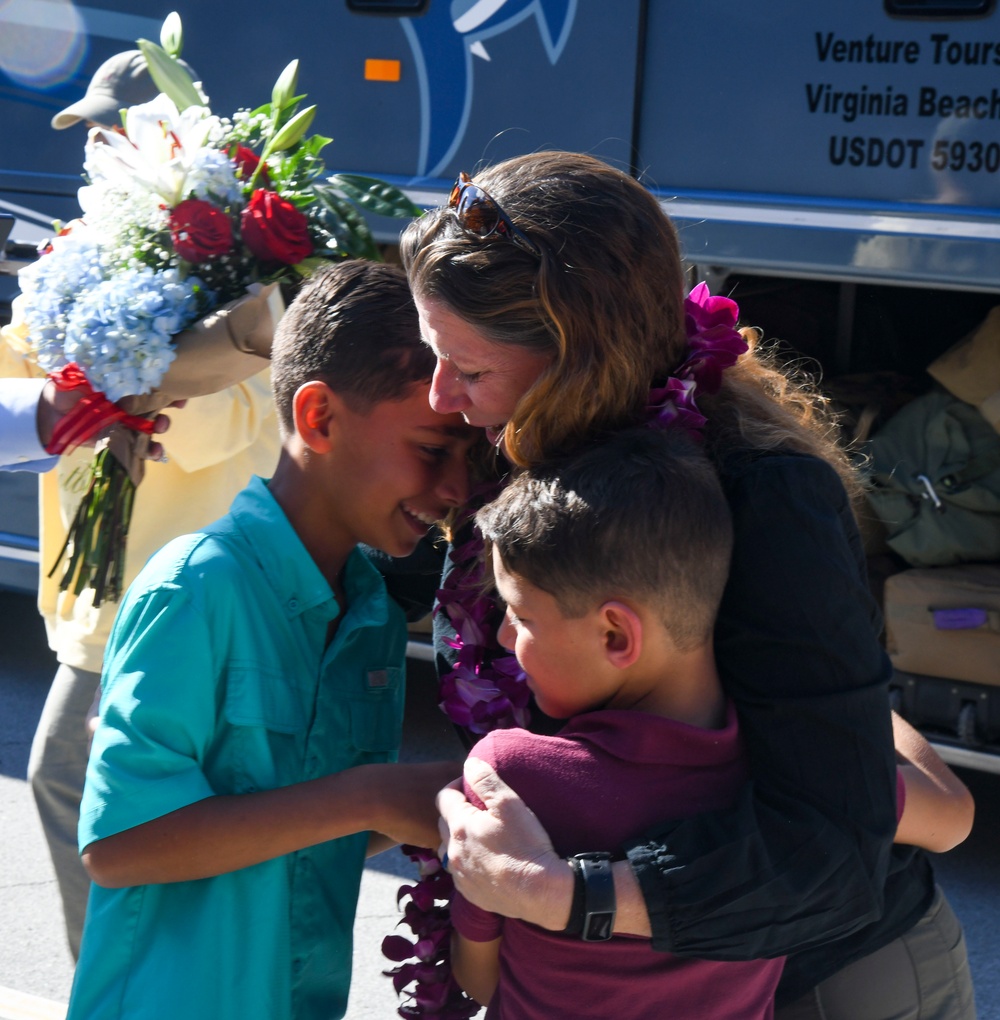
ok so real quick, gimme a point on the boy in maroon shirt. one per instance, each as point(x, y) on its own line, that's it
point(612, 566)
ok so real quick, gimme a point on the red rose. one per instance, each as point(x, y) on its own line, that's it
point(247, 161)
point(200, 230)
point(274, 230)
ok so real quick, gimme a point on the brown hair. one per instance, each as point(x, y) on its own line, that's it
point(639, 517)
point(354, 326)
point(605, 300)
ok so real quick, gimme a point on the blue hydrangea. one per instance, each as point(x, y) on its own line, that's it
point(212, 177)
point(50, 286)
point(119, 332)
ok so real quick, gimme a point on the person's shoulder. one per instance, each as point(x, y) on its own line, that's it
point(502, 741)
point(513, 754)
point(519, 751)
point(773, 464)
point(781, 473)
point(202, 559)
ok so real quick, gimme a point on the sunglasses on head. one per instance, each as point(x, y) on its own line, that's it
point(481, 215)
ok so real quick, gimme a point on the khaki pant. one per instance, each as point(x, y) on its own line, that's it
point(57, 768)
point(922, 975)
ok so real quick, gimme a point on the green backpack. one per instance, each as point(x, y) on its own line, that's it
point(934, 470)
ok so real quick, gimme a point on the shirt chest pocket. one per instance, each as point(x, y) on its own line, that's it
point(375, 710)
point(262, 697)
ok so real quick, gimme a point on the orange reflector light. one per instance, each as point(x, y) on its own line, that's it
point(382, 70)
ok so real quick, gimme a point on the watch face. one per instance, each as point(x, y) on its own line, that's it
point(598, 896)
point(599, 927)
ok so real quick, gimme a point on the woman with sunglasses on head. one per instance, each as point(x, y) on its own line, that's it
point(552, 292)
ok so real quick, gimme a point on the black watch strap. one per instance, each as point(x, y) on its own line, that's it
point(592, 915)
point(574, 926)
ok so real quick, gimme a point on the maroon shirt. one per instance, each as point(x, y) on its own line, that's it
point(605, 778)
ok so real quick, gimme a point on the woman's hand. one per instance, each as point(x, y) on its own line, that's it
point(500, 857)
point(503, 860)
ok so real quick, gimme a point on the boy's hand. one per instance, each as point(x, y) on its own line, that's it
point(404, 798)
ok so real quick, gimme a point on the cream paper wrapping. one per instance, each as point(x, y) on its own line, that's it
point(227, 347)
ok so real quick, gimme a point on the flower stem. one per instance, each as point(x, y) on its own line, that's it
point(94, 548)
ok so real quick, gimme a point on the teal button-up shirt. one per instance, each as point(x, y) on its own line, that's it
point(218, 680)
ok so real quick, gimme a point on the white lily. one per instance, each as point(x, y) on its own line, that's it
point(160, 147)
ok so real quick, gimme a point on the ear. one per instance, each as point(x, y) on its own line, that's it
point(622, 634)
point(315, 409)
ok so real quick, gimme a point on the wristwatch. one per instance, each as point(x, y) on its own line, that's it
point(592, 916)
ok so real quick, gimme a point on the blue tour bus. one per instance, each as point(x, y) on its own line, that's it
point(835, 166)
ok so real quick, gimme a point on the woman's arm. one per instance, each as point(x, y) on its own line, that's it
point(938, 809)
point(803, 857)
point(413, 580)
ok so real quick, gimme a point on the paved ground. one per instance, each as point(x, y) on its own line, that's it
point(35, 964)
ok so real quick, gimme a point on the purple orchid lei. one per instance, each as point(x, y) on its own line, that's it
point(486, 689)
point(435, 992)
point(714, 344)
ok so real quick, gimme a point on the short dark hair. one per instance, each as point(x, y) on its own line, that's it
point(354, 326)
point(641, 515)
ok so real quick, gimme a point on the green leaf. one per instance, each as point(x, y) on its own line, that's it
point(345, 225)
point(285, 86)
point(172, 34)
point(169, 76)
point(375, 196)
point(314, 144)
point(291, 132)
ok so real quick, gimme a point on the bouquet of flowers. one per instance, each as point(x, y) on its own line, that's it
point(169, 285)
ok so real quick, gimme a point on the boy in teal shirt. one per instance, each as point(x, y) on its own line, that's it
point(253, 692)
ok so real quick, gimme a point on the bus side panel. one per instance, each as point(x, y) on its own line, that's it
point(839, 101)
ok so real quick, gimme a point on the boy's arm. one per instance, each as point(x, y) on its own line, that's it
point(150, 813)
point(224, 833)
point(476, 966)
point(379, 842)
point(477, 934)
point(938, 809)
